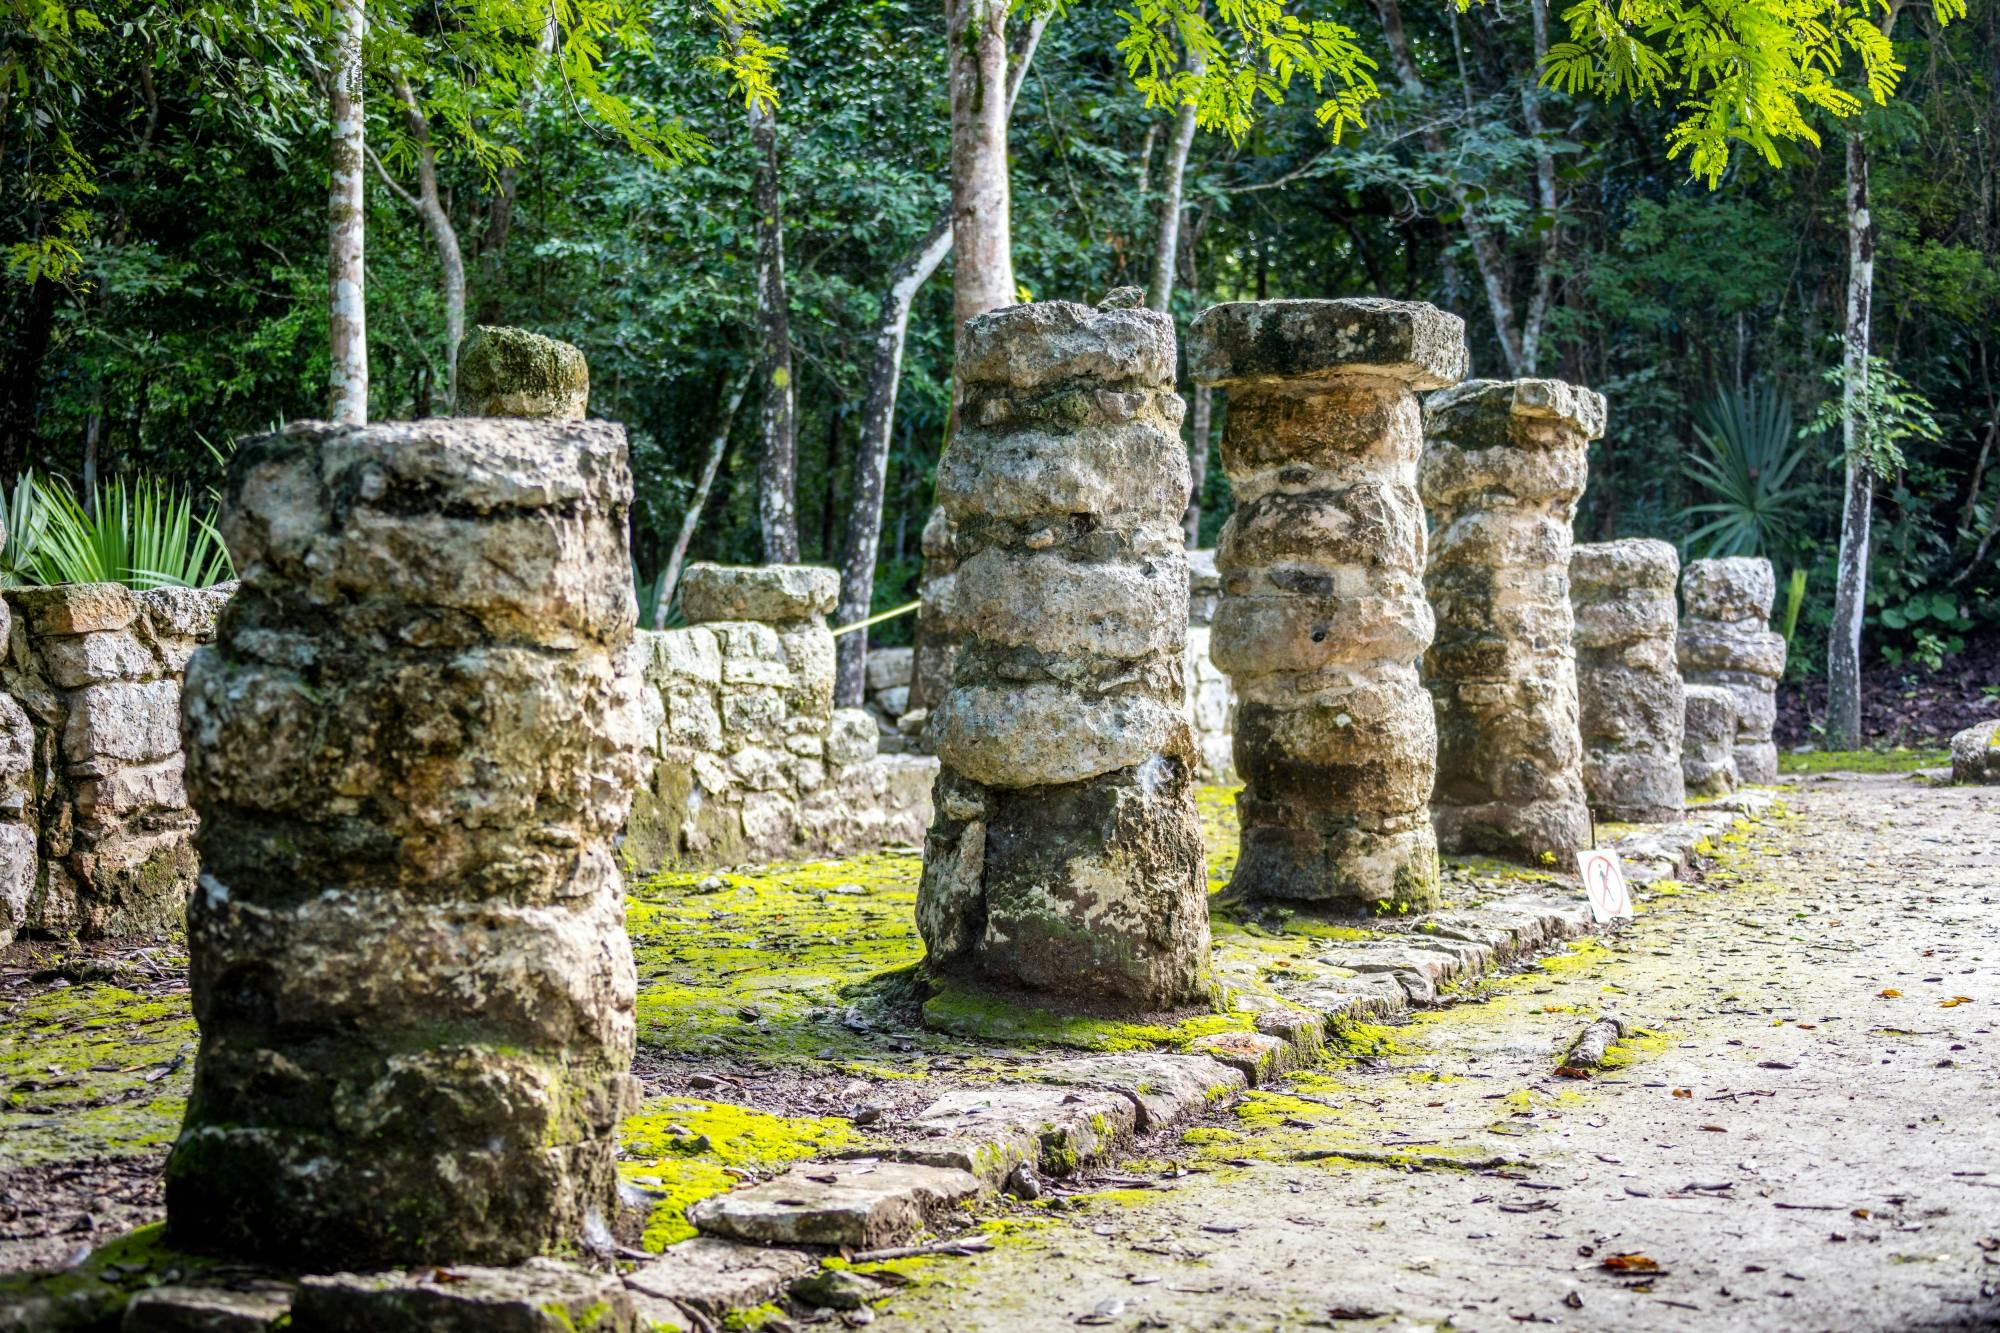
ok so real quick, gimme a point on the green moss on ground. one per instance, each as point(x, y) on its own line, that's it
point(681, 1150)
point(92, 1071)
point(970, 1013)
point(1898, 760)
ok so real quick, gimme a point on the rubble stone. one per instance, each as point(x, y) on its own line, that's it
point(1065, 849)
point(513, 373)
point(1321, 616)
point(857, 1204)
point(1629, 696)
point(1975, 754)
point(1708, 740)
point(1503, 467)
point(772, 594)
point(537, 1297)
point(407, 951)
point(1726, 640)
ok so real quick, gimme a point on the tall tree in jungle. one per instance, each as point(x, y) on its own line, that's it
point(778, 453)
point(347, 301)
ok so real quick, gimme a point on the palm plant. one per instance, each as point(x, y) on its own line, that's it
point(1748, 457)
point(23, 518)
point(144, 535)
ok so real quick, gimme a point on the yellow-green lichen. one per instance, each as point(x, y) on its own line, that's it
point(680, 1150)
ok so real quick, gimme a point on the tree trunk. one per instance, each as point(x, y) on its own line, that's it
point(1486, 251)
point(1160, 288)
point(777, 462)
point(861, 548)
point(429, 205)
point(1850, 596)
point(983, 267)
point(1545, 200)
point(670, 580)
point(347, 309)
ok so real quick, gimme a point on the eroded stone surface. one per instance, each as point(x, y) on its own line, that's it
point(514, 373)
point(1503, 467)
point(774, 594)
point(988, 1131)
point(407, 950)
point(1708, 740)
point(1975, 754)
point(860, 1204)
point(1065, 850)
point(1726, 640)
point(252, 1308)
point(1321, 616)
point(716, 1276)
point(538, 1297)
point(1629, 695)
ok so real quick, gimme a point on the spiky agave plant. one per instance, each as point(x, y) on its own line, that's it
point(23, 517)
point(145, 534)
point(1747, 458)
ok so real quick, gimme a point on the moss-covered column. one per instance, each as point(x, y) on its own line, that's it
point(1322, 617)
point(1628, 683)
point(1503, 467)
point(514, 373)
point(411, 747)
point(1726, 639)
point(1065, 855)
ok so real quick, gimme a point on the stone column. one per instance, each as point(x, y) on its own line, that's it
point(513, 373)
point(1628, 682)
point(1726, 640)
point(1065, 854)
point(1708, 741)
point(411, 748)
point(1504, 465)
point(1322, 617)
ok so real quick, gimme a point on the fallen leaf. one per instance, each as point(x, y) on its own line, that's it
point(1888, 994)
point(1683, 1092)
point(1859, 1212)
point(1954, 1001)
point(1629, 1263)
point(1715, 1129)
point(1571, 1071)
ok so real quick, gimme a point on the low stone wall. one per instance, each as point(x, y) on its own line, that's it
point(96, 837)
point(749, 759)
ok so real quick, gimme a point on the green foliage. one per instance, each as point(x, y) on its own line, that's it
point(1893, 414)
point(1747, 72)
point(1749, 462)
point(1795, 599)
point(144, 535)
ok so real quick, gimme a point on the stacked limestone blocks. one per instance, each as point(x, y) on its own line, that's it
point(1322, 618)
point(1708, 741)
point(1065, 853)
point(1504, 465)
point(411, 748)
point(1725, 640)
point(1629, 698)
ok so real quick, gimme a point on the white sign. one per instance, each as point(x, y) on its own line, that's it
point(1604, 884)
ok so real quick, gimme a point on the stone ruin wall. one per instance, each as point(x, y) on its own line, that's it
point(1630, 701)
point(1726, 640)
point(96, 837)
point(749, 759)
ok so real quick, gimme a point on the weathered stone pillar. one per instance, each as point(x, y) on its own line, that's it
point(1504, 465)
point(1065, 854)
point(1975, 755)
point(1708, 741)
point(1628, 682)
point(1322, 616)
point(1726, 640)
point(411, 747)
point(513, 373)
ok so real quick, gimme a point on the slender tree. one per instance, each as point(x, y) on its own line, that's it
point(428, 203)
point(778, 453)
point(346, 276)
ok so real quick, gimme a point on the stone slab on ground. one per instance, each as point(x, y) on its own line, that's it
point(540, 1296)
point(990, 1130)
point(857, 1204)
point(1163, 1088)
point(250, 1308)
point(1258, 1056)
point(713, 1277)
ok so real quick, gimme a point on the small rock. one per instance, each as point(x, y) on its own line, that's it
point(866, 1114)
point(835, 1289)
point(1023, 1183)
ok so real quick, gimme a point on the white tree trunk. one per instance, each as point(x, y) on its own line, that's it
point(982, 241)
point(346, 282)
point(1850, 596)
point(671, 579)
point(1166, 242)
point(428, 202)
point(777, 466)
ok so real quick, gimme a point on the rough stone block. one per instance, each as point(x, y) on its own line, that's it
point(1250, 341)
point(691, 654)
point(130, 722)
point(74, 608)
point(252, 1307)
point(1630, 701)
point(1258, 1056)
point(1165, 1089)
point(514, 373)
point(716, 1277)
point(97, 656)
point(852, 738)
point(768, 594)
point(541, 1296)
point(857, 1204)
point(185, 613)
point(889, 668)
point(1725, 641)
point(1975, 754)
point(990, 1130)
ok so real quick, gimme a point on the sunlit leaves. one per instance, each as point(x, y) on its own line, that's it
point(1252, 52)
point(1740, 72)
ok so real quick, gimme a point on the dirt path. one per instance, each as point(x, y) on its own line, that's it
point(1807, 1137)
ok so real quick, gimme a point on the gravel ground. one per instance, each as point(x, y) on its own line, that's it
point(1805, 1134)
